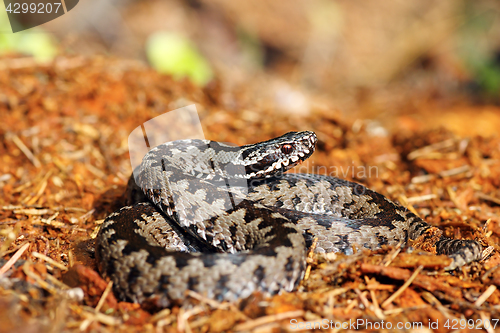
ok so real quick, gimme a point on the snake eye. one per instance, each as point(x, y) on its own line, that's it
point(286, 149)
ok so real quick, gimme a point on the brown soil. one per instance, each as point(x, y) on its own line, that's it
point(65, 164)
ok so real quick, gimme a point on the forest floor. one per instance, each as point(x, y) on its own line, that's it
point(65, 164)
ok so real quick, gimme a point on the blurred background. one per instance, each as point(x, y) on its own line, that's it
point(383, 60)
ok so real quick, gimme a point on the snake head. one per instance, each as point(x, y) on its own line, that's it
point(268, 158)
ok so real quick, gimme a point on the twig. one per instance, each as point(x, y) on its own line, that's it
point(491, 289)
point(430, 148)
point(485, 226)
point(44, 284)
point(71, 260)
point(487, 197)
point(96, 171)
point(32, 211)
point(103, 296)
point(50, 221)
point(443, 174)
point(422, 179)
point(309, 259)
point(397, 311)
point(14, 258)
point(30, 201)
point(213, 303)
point(368, 305)
point(454, 171)
point(51, 218)
point(421, 198)
point(336, 292)
point(100, 317)
point(488, 273)
point(435, 302)
point(351, 306)
point(164, 321)
point(85, 216)
point(363, 299)
point(249, 325)
point(486, 319)
point(95, 315)
point(26, 151)
point(160, 315)
point(22, 187)
point(464, 304)
point(21, 209)
point(391, 255)
point(403, 287)
point(183, 316)
point(49, 260)
point(486, 253)
point(376, 308)
point(57, 283)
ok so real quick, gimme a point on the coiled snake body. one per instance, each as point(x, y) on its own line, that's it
point(225, 221)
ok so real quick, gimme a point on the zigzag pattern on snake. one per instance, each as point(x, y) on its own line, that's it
point(226, 221)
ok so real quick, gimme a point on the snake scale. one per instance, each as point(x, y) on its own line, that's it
point(226, 221)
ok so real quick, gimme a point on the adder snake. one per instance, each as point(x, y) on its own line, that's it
point(226, 221)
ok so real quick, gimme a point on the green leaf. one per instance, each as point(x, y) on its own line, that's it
point(34, 42)
point(173, 54)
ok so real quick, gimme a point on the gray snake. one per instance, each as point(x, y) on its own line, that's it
point(227, 221)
